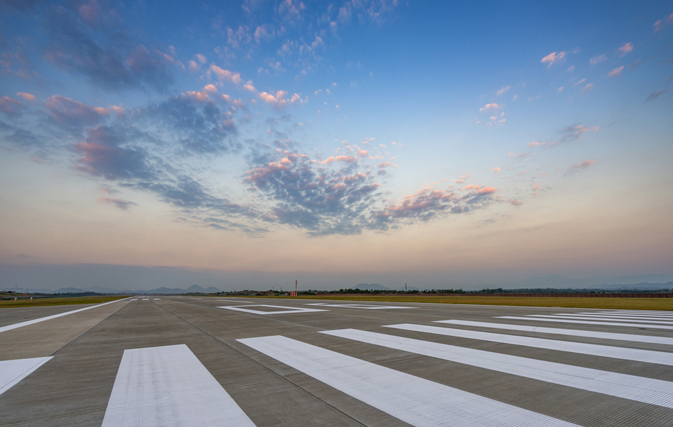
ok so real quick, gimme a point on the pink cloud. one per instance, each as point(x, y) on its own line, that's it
point(553, 58)
point(660, 24)
point(624, 49)
point(583, 165)
point(26, 96)
point(223, 74)
point(68, 111)
point(278, 100)
point(502, 90)
point(542, 143)
point(347, 159)
point(517, 156)
point(496, 169)
point(200, 96)
point(386, 164)
point(486, 190)
point(487, 107)
point(10, 106)
point(598, 59)
point(617, 71)
point(587, 88)
point(193, 65)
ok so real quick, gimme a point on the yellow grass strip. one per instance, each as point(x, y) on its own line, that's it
point(571, 302)
point(38, 302)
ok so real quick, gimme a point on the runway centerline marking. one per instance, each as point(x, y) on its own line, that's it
point(652, 391)
point(13, 371)
point(286, 310)
point(414, 400)
point(587, 322)
point(168, 385)
point(571, 332)
point(54, 316)
point(647, 356)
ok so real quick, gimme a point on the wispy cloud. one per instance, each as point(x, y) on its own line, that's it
point(118, 203)
point(553, 58)
point(102, 54)
point(502, 90)
point(26, 96)
point(583, 165)
point(487, 107)
point(70, 113)
point(10, 106)
point(624, 49)
point(617, 71)
point(655, 95)
point(598, 59)
point(660, 24)
point(587, 88)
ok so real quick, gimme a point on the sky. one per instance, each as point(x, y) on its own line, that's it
point(380, 139)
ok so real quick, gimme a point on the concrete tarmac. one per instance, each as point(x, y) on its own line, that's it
point(74, 387)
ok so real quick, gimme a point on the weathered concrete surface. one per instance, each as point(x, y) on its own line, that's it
point(73, 388)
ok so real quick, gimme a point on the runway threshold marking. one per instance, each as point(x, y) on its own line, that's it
point(631, 313)
point(563, 316)
point(588, 322)
point(159, 386)
point(638, 355)
point(13, 371)
point(414, 400)
point(362, 306)
point(286, 310)
point(54, 316)
point(570, 332)
point(647, 390)
point(619, 316)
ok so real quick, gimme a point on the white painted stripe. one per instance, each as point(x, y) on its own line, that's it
point(589, 322)
point(285, 311)
point(362, 306)
point(572, 332)
point(13, 371)
point(638, 355)
point(169, 386)
point(157, 299)
point(559, 316)
point(629, 313)
point(414, 400)
point(618, 316)
point(54, 316)
point(654, 392)
point(134, 299)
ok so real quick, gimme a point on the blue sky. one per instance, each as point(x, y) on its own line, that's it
point(338, 137)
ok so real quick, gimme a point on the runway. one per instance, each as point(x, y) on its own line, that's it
point(201, 361)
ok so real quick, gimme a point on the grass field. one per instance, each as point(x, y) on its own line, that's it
point(38, 302)
point(572, 302)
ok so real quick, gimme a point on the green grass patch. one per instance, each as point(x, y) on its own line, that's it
point(571, 302)
point(38, 302)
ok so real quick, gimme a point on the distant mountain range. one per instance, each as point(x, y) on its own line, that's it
point(162, 290)
point(377, 287)
point(105, 278)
